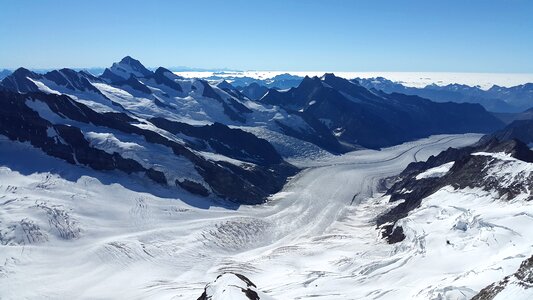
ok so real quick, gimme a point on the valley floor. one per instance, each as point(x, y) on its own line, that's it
point(69, 235)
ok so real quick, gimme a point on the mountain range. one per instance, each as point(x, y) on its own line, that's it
point(496, 99)
point(205, 188)
point(87, 119)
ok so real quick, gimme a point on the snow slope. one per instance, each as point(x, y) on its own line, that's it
point(75, 233)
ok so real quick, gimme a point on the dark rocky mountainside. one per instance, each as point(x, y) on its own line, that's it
point(254, 91)
point(355, 115)
point(520, 129)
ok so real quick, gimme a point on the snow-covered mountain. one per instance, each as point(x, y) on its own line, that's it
point(502, 167)
point(80, 118)
point(201, 191)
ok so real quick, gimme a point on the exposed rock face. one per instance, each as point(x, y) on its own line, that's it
point(232, 286)
point(521, 279)
point(471, 168)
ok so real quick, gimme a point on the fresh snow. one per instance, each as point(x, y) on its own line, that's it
point(436, 172)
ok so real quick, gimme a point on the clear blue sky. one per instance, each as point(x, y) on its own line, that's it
point(334, 35)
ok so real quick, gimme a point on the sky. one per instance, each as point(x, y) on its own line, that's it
point(299, 35)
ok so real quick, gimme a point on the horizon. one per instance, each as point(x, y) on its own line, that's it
point(422, 79)
point(458, 37)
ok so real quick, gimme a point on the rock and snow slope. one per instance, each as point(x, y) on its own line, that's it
point(88, 234)
point(232, 286)
point(517, 286)
point(117, 187)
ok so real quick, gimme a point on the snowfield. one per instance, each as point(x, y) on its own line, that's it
point(77, 233)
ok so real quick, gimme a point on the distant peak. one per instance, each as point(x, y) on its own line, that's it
point(130, 66)
point(162, 70)
point(23, 72)
point(310, 83)
point(225, 85)
point(308, 79)
point(130, 61)
point(331, 77)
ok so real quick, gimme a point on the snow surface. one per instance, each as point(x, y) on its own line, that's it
point(70, 232)
point(436, 172)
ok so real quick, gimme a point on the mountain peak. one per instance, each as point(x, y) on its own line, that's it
point(24, 72)
point(129, 66)
point(128, 60)
point(332, 78)
point(225, 85)
point(310, 81)
point(327, 76)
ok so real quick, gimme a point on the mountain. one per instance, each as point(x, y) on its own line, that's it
point(4, 73)
point(127, 86)
point(520, 129)
point(70, 130)
point(356, 115)
point(62, 108)
point(496, 99)
point(187, 180)
point(499, 166)
point(254, 91)
point(278, 82)
point(129, 66)
point(508, 118)
point(346, 117)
